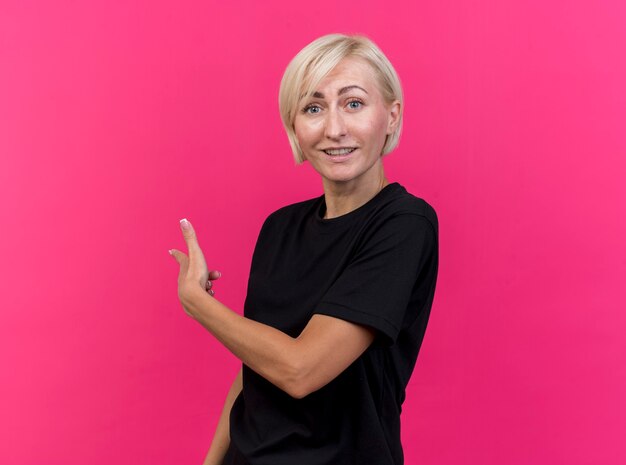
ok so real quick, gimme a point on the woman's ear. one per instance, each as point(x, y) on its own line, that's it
point(394, 116)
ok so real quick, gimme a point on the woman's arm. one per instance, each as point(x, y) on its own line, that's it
point(221, 438)
point(298, 366)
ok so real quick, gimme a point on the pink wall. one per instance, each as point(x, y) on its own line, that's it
point(117, 120)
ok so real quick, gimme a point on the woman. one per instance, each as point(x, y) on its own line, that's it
point(340, 287)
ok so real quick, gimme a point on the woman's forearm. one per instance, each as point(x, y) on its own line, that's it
point(298, 366)
point(266, 350)
point(221, 438)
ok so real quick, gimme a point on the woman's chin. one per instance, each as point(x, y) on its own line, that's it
point(343, 174)
point(338, 177)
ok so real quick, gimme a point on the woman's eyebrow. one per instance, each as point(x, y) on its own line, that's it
point(343, 90)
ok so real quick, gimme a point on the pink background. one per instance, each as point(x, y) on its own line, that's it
point(117, 120)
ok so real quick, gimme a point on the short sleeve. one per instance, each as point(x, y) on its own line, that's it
point(376, 286)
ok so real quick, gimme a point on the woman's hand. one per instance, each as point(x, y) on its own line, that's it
point(193, 273)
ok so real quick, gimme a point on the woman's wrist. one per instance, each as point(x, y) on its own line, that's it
point(192, 298)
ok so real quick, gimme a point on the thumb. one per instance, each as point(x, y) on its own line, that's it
point(176, 254)
point(182, 260)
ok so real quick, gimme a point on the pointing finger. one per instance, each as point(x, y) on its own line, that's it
point(190, 238)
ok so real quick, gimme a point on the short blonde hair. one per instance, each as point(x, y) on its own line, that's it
point(315, 61)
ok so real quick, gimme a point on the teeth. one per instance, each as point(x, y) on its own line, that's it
point(339, 151)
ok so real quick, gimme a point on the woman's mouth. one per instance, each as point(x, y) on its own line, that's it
point(338, 152)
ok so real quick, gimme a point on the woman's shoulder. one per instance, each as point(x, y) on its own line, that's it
point(402, 202)
point(292, 212)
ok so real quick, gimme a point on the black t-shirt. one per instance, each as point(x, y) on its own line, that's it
point(375, 266)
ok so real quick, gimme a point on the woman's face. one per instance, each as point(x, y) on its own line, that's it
point(342, 127)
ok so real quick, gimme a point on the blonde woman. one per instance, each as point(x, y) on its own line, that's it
point(340, 287)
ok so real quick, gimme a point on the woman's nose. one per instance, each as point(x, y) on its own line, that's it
point(334, 125)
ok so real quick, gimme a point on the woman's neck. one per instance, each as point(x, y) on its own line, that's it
point(342, 198)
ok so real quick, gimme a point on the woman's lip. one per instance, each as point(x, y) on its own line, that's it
point(340, 158)
point(340, 148)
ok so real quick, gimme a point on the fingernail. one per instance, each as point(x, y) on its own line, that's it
point(220, 274)
point(169, 251)
point(184, 223)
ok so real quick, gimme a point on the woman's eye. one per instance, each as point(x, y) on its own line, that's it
point(312, 109)
point(354, 104)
